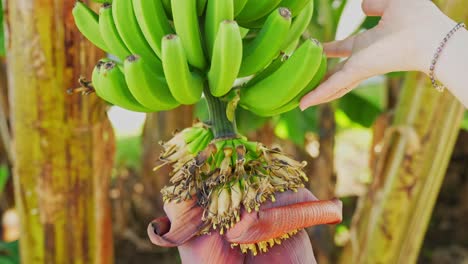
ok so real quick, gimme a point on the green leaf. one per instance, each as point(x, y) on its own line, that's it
point(9, 252)
point(370, 22)
point(295, 124)
point(365, 104)
point(465, 122)
point(4, 175)
point(374, 92)
point(129, 151)
point(338, 11)
point(247, 121)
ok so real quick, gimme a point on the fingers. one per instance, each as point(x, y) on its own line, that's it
point(352, 44)
point(342, 92)
point(334, 87)
point(374, 7)
point(339, 48)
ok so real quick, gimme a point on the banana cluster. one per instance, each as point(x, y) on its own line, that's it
point(168, 52)
point(226, 175)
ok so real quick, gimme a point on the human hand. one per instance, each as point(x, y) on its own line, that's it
point(404, 40)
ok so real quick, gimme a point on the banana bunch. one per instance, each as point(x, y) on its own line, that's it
point(226, 174)
point(169, 52)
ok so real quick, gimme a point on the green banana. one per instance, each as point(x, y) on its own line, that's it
point(299, 25)
point(256, 9)
point(111, 83)
point(87, 22)
point(153, 22)
point(199, 143)
point(224, 69)
point(295, 6)
point(167, 7)
point(266, 46)
point(274, 66)
point(185, 86)
point(147, 86)
point(95, 77)
point(289, 79)
point(244, 31)
point(201, 5)
point(216, 12)
point(129, 30)
point(318, 77)
point(239, 6)
point(186, 24)
point(192, 133)
point(110, 34)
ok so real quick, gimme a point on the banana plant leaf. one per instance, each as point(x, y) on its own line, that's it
point(295, 124)
point(9, 252)
point(465, 121)
point(363, 105)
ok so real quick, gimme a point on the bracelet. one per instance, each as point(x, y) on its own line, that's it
point(439, 87)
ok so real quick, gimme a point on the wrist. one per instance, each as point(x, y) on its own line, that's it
point(435, 29)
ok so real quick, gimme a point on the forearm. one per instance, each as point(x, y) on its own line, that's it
point(452, 67)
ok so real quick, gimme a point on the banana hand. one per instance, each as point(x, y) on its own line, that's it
point(153, 22)
point(88, 23)
point(130, 32)
point(266, 46)
point(110, 34)
point(287, 82)
point(148, 86)
point(299, 25)
point(114, 89)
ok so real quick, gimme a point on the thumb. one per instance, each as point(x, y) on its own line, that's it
point(374, 7)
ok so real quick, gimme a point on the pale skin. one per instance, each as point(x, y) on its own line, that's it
point(406, 39)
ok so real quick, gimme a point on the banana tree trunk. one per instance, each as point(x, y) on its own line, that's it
point(392, 218)
point(63, 144)
point(160, 127)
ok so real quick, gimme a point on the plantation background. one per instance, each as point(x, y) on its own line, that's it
point(76, 174)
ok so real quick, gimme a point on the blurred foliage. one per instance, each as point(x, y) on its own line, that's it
point(365, 104)
point(294, 124)
point(465, 121)
point(4, 175)
point(9, 252)
point(370, 22)
point(128, 152)
point(248, 122)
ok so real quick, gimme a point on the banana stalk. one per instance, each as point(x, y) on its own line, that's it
point(392, 218)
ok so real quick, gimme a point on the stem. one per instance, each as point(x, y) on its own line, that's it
point(221, 126)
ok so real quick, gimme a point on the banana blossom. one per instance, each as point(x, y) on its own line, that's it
point(273, 234)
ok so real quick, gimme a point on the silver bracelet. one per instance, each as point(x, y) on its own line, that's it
point(439, 87)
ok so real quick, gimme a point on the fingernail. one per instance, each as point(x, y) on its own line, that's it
point(304, 106)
